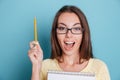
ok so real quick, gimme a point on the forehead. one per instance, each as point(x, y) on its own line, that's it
point(68, 17)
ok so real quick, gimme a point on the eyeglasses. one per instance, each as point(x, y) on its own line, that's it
point(64, 30)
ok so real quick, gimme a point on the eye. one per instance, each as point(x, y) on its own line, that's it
point(77, 28)
point(61, 28)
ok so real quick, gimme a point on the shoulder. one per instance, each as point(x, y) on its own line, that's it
point(97, 64)
point(100, 68)
point(49, 63)
point(47, 60)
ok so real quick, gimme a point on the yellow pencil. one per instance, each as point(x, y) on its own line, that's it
point(35, 30)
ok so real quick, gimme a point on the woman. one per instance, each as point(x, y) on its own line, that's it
point(71, 47)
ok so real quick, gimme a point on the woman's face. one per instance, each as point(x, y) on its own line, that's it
point(69, 42)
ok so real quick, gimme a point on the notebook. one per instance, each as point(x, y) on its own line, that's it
point(60, 75)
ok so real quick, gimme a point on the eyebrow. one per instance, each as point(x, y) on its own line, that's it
point(62, 24)
point(76, 24)
point(73, 25)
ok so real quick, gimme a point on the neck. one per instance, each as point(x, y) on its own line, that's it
point(70, 59)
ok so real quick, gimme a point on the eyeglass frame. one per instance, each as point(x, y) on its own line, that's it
point(67, 29)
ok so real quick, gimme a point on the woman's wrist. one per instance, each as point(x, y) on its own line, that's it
point(36, 72)
point(36, 67)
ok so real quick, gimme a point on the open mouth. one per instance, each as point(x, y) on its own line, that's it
point(69, 45)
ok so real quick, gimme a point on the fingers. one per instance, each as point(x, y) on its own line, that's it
point(35, 45)
point(32, 55)
point(35, 52)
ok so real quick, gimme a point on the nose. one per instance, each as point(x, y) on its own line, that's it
point(69, 33)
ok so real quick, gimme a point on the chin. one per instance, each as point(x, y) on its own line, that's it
point(69, 53)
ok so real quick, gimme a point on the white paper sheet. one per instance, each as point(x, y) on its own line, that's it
point(59, 75)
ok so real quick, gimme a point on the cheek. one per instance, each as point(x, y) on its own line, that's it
point(60, 39)
point(79, 40)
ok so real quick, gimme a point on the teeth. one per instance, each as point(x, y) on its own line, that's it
point(69, 42)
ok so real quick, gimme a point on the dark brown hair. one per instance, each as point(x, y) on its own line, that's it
point(85, 48)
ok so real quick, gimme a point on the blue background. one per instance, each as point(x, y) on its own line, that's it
point(16, 31)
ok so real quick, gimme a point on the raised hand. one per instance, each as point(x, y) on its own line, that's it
point(35, 53)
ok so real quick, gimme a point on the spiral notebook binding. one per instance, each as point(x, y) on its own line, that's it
point(71, 73)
